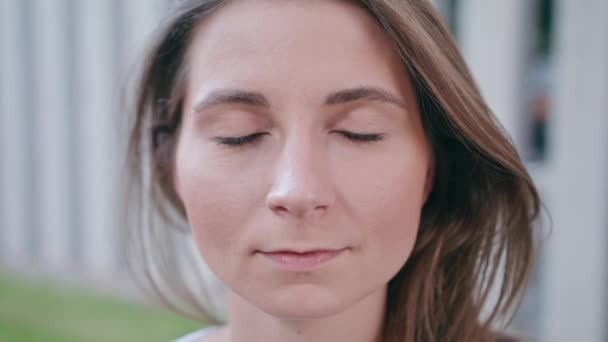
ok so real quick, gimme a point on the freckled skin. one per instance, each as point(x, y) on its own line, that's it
point(302, 183)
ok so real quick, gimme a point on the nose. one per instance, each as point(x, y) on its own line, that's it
point(301, 187)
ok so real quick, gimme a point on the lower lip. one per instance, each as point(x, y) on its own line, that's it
point(302, 261)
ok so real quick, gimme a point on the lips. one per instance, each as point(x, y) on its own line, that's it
point(302, 261)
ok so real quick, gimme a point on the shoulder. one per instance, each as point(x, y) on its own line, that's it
point(195, 336)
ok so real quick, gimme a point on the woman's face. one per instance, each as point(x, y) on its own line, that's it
point(319, 206)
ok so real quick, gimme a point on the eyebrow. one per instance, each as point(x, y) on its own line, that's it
point(257, 99)
point(363, 94)
point(232, 96)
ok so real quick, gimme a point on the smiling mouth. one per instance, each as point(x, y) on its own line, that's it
point(302, 261)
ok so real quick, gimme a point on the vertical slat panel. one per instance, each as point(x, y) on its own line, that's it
point(98, 157)
point(141, 18)
point(72, 126)
point(13, 128)
point(51, 128)
point(495, 39)
point(576, 275)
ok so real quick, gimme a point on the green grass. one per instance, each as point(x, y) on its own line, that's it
point(31, 312)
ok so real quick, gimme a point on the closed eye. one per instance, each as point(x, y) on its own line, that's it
point(360, 137)
point(252, 138)
point(239, 141)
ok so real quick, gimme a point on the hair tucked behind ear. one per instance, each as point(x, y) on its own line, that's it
point(477, 224)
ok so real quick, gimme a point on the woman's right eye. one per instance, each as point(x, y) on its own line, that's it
point(239, 141)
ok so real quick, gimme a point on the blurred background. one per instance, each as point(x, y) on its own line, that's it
point(64, 70)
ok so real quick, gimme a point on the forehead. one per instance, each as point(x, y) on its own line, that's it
point(292, 45)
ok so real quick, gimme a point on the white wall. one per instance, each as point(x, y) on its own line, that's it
point(496, 41)
point(13, 134)
point(495, 37)
point(576, 271)
point(63, 68)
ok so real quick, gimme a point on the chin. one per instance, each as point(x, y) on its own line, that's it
point(303, 301)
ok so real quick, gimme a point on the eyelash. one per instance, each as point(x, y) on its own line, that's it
point(356, 138)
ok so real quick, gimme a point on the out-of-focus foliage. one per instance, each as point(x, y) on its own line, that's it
point(37, 312)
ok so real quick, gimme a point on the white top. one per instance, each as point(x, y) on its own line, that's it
point(196, 336)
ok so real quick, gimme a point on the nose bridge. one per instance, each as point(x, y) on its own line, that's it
point(300, 185)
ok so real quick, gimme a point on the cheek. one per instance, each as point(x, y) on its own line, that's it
point(217, 203)
point(396, 229)
point(391, 204)
point(206, 208)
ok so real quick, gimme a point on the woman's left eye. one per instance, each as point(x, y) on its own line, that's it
point(360, 137)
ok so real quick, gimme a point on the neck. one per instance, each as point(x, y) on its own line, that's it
point(361, 322)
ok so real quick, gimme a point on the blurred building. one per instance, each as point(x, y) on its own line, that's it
point(542, 65)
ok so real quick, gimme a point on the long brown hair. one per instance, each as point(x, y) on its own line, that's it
point(476, 230)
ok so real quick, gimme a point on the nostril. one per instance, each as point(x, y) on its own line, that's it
point(298, 206)
point(280, 209)
point(320, 208)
